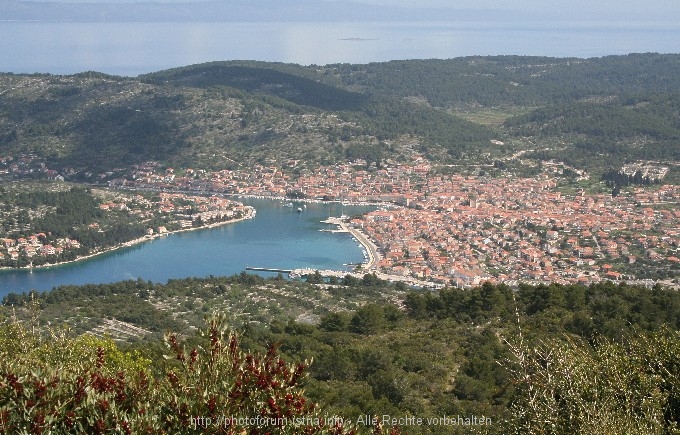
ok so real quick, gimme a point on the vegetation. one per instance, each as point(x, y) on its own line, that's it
point(181, 304)
point(527, 81)
point(59, 215)
point(544, 359)
point(592, 113)
point(88, 385)
point(539, 359)
point(623, 128)
point(616, 388)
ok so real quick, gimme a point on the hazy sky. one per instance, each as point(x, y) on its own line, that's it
point(659, 7)
point(663, 10)
point(531, 4)
point(600, 5)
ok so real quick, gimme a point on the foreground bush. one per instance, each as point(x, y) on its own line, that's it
point(87, 385)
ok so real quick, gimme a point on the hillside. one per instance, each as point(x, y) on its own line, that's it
point(137, 357)
point(595, 113)
point(617, 129)
point(208, 117)
point(527, 81)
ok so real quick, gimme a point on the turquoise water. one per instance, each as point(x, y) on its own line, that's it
point(278, 237)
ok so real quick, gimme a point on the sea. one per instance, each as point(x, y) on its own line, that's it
point(279, 237)
point(130, 49)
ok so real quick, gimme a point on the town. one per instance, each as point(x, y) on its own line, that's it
point(466, 229)
point(448, 228)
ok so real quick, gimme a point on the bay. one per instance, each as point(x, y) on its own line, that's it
point(278, 237)
point(130, 49)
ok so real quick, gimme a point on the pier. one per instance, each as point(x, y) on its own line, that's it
point(266, 269)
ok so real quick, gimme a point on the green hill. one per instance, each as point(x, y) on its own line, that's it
point(513, 80)
point(225, 114)
point(618, 129)
point(210, 116)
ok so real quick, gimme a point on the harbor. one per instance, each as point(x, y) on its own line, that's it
point(276, 238)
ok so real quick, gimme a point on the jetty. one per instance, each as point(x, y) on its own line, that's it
point(333, 220)
point(267, 269)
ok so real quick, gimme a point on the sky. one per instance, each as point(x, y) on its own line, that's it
point(661, 10)
point(600, 5)
point(532, 4)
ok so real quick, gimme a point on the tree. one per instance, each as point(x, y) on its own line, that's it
point(315, 278)
point(368, 319)
point(416, 305)
point(370, 280)
point(334, 322)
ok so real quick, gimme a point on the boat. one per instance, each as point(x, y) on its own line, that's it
point(299, 209)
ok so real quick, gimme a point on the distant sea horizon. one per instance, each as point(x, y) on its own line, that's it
point(134, 48)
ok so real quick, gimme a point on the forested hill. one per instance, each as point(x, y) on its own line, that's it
point(225, 114)
point(514, 80)
point(215, 116)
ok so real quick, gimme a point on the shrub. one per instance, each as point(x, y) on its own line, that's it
point(567, 387)
point(57, 384)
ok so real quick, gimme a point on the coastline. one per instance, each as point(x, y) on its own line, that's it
point(371, 266)
point(370, 247)
point(250, 214)
point(308, 200)
point(368, 265)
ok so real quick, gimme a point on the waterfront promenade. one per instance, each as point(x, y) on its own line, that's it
point(372, 253)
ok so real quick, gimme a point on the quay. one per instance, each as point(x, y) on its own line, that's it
point(371, 255)
point(298, 273)
point(266, 269)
